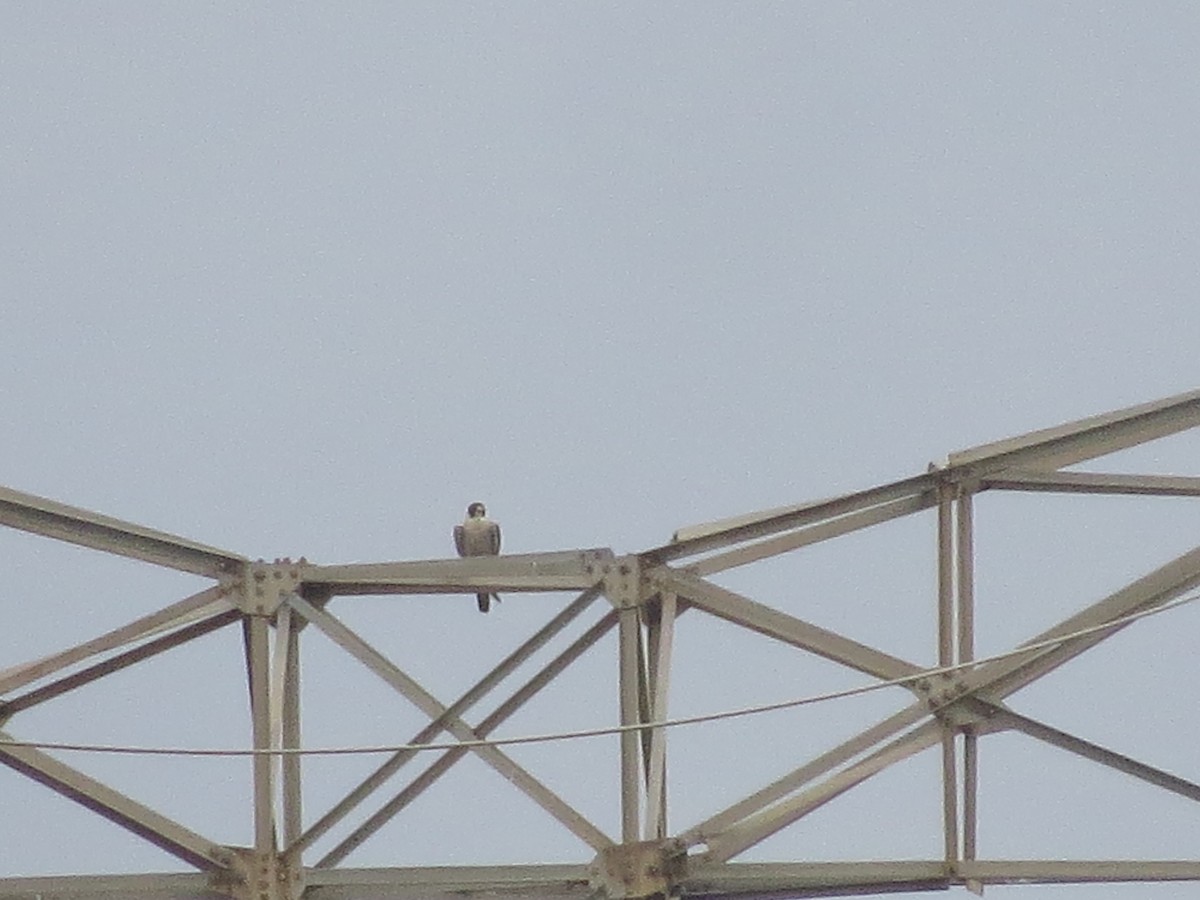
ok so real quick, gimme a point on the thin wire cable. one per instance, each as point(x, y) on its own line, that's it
point(604, 731)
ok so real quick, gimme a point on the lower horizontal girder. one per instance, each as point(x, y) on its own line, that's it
point(568, 882)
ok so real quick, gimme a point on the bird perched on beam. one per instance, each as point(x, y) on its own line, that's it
point(478, 536)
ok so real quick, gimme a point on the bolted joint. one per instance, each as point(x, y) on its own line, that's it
point(261, 876)
point(946, 696)
point(264, 586)
point(940, 690)
point(622, 582)
point(648, 869)
point(230, 879)
point(594, 561)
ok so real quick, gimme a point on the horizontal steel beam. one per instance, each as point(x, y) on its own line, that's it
point(571, 882)
point(1094, 483)
point(88, 529)
point(536, 882)
point(560, 571)
point(172, 886)
point(1088, 871)
point(815, 879)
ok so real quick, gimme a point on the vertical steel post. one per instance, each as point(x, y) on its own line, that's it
point(656, 784)
point(629, 639)
point(966, 578)
point(966, 653)
point(647, 653)
point(945, 577)
point(945, 590)
point(278, 674)
point(258, 667)
point(290, 739)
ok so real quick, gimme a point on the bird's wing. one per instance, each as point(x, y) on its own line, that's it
point(460, 540)
point(494, 538)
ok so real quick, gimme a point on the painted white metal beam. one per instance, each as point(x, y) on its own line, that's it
point(167, 886)
point(38, 515)
point(535, 882)
point(1084, 439)
point(738, 610)
point(760, 826)
point(117, 662)
point(1125, 764)
point(628, 671)
point(1047, 449)
point(797, 778)
point(714, 536)
point(288, 663)
point(711, 881)
point(154, 827)
point(1093, 483)
point(656, 769)
point(1092, 871)
point(1001, 678)
point(815, 879)
point(258, 670)
point(964, 545)
point(570, 570)
point(813, 534)
point(197, 606)
point(946, 633)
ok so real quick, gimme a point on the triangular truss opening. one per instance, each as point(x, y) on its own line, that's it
point(895, 815)
point(875, 585)
point(1061, 807)
point(715, 763)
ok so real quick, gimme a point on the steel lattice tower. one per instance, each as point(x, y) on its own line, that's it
point(954, 707)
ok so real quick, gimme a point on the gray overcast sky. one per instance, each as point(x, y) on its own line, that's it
point(308, 280)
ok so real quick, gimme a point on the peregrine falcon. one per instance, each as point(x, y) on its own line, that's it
point(478, 536)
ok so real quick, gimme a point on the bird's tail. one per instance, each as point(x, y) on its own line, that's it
point(484, 601)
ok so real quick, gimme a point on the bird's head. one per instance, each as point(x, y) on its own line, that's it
point(476, 511)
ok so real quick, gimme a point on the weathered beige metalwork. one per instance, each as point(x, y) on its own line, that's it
point(647, 591)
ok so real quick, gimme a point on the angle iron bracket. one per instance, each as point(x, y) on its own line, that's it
point(263, 587)
point(622, 582)
point(648, 869)
point(948, 697)
point(261, 876)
